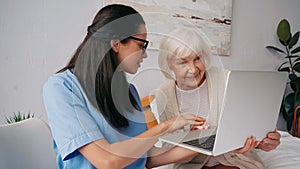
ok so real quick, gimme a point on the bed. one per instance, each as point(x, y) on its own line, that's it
point(286, 156)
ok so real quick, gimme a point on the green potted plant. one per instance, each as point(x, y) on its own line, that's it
point(292, 66)
point(18, 117)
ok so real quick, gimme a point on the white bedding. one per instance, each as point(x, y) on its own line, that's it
point(285, 156)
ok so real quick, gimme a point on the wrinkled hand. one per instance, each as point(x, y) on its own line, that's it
point(180, 121)
point(270, 142)
point(250, 144)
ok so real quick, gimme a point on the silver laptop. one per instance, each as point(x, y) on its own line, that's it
point(250, 108)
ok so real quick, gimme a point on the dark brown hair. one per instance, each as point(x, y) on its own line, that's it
point(103, 30)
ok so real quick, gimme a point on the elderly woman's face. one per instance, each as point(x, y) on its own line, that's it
point(189, 71)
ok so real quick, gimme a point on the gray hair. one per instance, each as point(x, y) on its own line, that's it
point(182, 42)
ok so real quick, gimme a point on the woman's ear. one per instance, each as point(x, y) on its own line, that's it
point(115, 45)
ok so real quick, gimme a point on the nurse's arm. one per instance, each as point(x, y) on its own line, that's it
point(118, 155)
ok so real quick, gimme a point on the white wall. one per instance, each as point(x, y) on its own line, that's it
point(37, 37)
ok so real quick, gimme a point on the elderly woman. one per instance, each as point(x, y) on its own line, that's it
point(194, 86)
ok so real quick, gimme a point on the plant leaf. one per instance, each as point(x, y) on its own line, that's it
point(295, 50)
point(297, 59)
point(275, 48)
point(16, 117)
point(292, 56)
point(285, 69)
point(297, 67)
point(294, 40)
point(297, 99)
point(284, 30)
point(295, 84)
point(281, 42)
point(282, 110)
point(282, 65)
point(289, 102)
point(292, 77)
point(7, 120)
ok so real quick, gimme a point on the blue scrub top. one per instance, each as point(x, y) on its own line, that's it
point(75, 122)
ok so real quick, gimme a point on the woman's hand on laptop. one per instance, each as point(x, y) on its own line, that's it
point(270, 142)
point(180, 121)
point(204, 126)
point(250, 144)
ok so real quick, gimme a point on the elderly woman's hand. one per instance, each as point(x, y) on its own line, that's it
point(250, 144)
point(270, 142)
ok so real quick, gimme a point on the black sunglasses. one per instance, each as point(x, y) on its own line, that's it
point(141, 40)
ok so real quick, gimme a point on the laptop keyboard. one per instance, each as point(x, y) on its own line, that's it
point(206, 143)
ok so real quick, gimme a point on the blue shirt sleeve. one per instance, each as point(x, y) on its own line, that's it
point(75, 122)
point(71, 124)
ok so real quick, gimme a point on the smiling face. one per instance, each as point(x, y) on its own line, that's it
point(131, 54)
point(189, 71)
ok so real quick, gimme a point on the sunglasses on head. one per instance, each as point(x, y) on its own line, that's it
point(141, 40)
